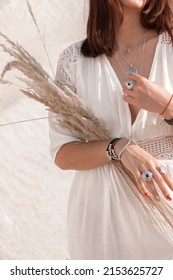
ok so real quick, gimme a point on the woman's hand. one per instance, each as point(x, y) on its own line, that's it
point(148, 95)
point(137, 161)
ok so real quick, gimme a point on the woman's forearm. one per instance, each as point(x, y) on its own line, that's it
point(82, 155)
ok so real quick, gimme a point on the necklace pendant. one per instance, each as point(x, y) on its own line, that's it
point(132, 70)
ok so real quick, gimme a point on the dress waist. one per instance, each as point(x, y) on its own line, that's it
point(160, 148)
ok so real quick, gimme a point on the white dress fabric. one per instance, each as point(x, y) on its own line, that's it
point(105, 218)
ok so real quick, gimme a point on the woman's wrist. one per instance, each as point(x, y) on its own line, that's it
point(168, 111)
point(121, 146)
point(112, 152)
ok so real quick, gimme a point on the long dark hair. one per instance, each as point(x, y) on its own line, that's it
point(106, 15)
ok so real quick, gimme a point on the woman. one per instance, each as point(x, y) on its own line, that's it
point(123, 73)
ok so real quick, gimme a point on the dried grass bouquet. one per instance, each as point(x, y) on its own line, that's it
point(75, 116)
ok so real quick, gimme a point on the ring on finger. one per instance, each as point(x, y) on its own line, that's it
point(162, 169)
point(130, 84)
point(147, 176)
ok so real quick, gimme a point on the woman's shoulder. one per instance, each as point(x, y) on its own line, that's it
point(165, 38)
point(166, 47)
point(72, 53)
point(67, 66)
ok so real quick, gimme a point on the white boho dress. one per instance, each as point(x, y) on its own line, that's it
point(105, 218)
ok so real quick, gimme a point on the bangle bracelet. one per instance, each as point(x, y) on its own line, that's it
point(123, 149)
point(167, 105)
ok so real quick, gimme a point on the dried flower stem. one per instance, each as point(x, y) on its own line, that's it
point(38, 29)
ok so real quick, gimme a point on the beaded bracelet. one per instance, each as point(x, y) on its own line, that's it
point(110, 149)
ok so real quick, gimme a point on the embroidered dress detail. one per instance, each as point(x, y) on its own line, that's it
point(166, 39)
point(65, 74)
point(159, 148)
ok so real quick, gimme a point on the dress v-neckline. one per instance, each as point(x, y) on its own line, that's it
point(118, 83)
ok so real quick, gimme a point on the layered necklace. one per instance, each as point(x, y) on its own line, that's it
point(132, 68)
point(129, 50)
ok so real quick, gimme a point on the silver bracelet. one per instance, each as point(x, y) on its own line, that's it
point(123, 149)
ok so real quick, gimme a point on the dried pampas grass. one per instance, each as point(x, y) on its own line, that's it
point(73, 114)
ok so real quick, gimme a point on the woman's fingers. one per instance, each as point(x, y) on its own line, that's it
point(167, 180)
point(146, 94)
point(148, 188)
point(141, 185)
point(152, 189)
point(147, 171)
point(160, 180)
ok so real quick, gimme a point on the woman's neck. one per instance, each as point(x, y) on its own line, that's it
point(131, 28)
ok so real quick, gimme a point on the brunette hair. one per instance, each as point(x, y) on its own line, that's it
point(106, 15)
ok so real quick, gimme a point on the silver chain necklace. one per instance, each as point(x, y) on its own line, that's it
point(129, 50)
point(132, 68)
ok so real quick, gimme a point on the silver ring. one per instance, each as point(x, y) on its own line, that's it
point(130, 84)
point(162, 169)
point(147, 176)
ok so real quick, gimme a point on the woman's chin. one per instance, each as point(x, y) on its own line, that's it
point(133, 4)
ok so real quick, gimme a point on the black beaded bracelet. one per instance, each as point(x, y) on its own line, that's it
point(170, 122)
point(110, 149)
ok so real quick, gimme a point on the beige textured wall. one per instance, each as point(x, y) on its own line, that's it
point(33, 192)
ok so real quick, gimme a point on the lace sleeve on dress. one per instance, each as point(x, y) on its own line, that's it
point(65, 78)
point(66, 74)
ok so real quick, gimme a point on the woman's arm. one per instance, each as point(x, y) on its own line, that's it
point(82, 155)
